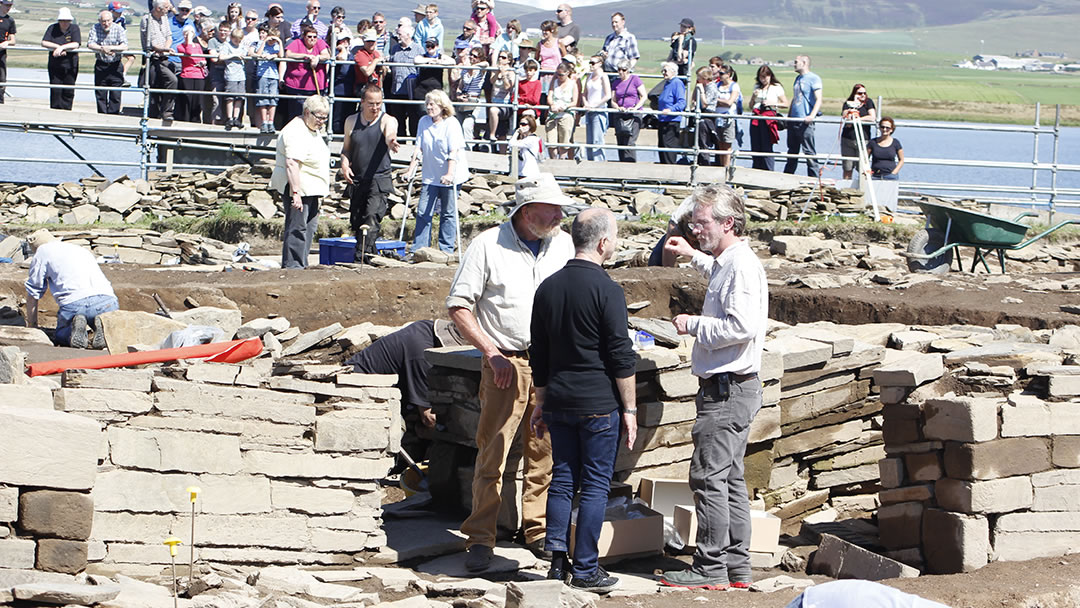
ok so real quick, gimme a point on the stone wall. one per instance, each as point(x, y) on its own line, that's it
point(48, 464)
point(287, 460)
point(813, 447)
point(201, 194)
point(982, 445)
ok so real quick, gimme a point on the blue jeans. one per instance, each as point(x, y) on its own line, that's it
point(596, 124)
point(446, 196)
point(800, 136)
point(583, 449)
point(717, 480)
point(90, 307)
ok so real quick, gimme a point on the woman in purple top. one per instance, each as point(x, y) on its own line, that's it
point(628, 94)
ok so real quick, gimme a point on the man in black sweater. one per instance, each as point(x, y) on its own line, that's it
point(583, 366)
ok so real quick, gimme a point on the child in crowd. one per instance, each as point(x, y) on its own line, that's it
point(268, 53)
point(233, 54)
point(530, 147)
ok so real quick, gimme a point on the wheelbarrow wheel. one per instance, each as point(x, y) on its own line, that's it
point(926, 242)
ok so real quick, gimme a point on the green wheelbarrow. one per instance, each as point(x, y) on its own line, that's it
point(948, 227)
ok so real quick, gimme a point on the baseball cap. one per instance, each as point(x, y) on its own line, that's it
point(370, 35)
point(184, 4)
point(7, 1)
point(202, 11)
point(116, 7)
point(687, 22)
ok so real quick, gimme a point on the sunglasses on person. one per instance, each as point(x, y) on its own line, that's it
point(251, 18)
point(383, 21)
point(524, 124)
point(860, 92)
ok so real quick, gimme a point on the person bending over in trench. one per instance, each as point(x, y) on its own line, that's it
point(402, 354)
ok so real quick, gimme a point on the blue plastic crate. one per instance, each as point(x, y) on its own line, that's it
point(343, 249)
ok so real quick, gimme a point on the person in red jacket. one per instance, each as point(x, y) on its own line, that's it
point(529, 87)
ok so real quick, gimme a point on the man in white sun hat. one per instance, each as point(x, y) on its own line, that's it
point(491, 301)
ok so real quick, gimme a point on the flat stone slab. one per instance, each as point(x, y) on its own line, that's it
point(408, 539)
point(508, 558)
point(63, 594)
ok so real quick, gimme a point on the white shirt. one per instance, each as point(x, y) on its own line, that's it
point(439, 143)
point(307, 147)
point(528, 154)
point(771, 95)
point(497, 280)
point(70, 272)
point(730, 332)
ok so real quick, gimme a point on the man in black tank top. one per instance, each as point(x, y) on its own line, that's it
point(370, 137)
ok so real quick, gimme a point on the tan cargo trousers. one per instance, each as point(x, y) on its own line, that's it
point(503, 414)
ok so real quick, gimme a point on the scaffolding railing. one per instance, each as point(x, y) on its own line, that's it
point(690, 154)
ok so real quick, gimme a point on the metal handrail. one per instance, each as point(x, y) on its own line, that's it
point(692, 119)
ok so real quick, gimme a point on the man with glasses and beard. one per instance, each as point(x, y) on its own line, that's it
point(312, 19)
point(491, 301)
point(729, 336)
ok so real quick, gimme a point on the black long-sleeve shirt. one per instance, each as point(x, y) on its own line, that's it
point(579, 340)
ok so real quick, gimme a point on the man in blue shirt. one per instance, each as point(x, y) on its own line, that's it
point(177, 22)
point(805, 104)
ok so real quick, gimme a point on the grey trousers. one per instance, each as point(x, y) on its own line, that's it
point(716, 478)
point(300, 227)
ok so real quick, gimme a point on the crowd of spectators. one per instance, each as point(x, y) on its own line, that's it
point(243, 65)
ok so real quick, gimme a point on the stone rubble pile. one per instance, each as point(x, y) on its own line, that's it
point(137, 246)
point(196, 193)
point(982, 434)
point(767, 205)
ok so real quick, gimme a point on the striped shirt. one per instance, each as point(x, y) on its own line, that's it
point(619, 47)
point(155, 33)
point(116, 36)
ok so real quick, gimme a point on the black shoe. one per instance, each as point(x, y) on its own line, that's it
point(560, 567)
point(537, 548)
point(99, 335)
point(228, 125)
point(478, 558)
point(79, 339)
point(599, 582)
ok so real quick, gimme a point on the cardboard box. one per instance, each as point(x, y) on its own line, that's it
point(663, 494)
point(686, 524)
point(641, 535)
point(764, 528)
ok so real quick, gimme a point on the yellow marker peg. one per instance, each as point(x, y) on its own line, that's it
point(173, 542)
point(193, 492)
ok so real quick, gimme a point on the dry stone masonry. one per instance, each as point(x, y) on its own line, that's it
point(982, 441)
point(201, 194)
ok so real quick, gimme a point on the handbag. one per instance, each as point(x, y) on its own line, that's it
point(624, 123)
point(654, 95)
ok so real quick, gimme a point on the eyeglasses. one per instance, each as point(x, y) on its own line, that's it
point(594, 63)
point(320, 117)
point(860, 92)
point(559, 10)
point(524, 124)
point(378, 21)
point(251, 18)
point(885, 128)
point(316, 8)
point(695, 226)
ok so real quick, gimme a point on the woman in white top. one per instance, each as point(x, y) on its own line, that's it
point(442, 142)
point(597, 96)
point(503, 84)
point(560, 120)
point(302, 175)
point(767, 100)
point(727, 95)
point(529, 146)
